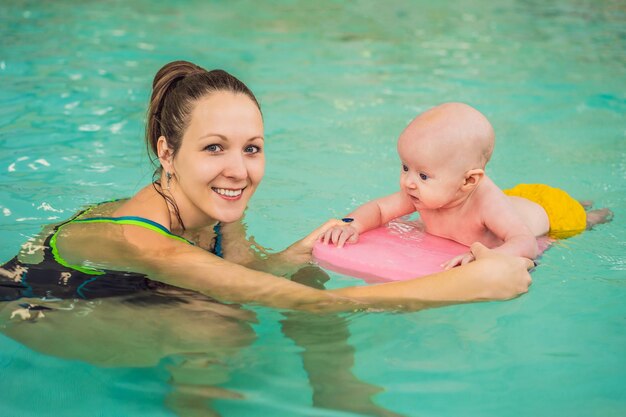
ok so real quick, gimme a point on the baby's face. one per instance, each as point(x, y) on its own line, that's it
point(428, 176)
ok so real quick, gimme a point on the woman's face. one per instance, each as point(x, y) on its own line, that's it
point(220, 161)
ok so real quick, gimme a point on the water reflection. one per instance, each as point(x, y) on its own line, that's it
point(195, 345)
point(191, 340)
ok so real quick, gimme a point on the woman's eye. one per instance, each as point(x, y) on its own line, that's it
point(423, 176)
point(405, 168)
point(252, 149)
point(213, 148)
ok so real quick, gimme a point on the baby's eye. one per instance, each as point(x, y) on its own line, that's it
point(252, 149)
point(405, 168)
point(214, 147)
point(423, 176)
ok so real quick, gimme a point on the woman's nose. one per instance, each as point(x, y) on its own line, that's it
point(236, 167)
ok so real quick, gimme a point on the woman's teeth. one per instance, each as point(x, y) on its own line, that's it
point(228, 193)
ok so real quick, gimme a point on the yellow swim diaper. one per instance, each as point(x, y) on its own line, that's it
point(567, 216)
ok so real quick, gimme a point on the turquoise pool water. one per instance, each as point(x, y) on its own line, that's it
point(337, 83)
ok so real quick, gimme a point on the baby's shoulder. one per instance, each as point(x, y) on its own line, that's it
point(489, 196)
point(490, 189)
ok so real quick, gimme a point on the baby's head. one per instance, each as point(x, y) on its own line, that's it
point(444, 152)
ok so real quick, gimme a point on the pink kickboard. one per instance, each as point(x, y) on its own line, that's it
point(396, 252)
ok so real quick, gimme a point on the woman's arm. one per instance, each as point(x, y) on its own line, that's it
point(176, 263)
point(136, 249)
point(246, 251)
point(493, 276)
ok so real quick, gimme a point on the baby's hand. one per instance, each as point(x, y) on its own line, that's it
point(459, 260)
point(341, 234)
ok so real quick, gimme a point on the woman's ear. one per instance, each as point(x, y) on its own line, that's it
point(165, 154)
point(472, 178)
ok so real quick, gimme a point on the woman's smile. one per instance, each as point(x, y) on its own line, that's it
point(229, 193)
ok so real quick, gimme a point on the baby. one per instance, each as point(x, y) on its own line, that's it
point(443, 152)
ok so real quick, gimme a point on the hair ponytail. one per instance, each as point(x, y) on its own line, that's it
point(165, 80)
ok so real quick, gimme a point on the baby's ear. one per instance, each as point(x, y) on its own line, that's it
point(472, 178)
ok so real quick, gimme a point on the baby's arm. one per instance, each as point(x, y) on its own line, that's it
point(506, 223)
point(369, 216)
point(500, 217)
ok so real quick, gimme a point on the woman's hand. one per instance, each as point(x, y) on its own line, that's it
point(300, 252)
point(505, 276)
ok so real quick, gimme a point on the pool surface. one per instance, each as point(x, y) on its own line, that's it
point(337, 83)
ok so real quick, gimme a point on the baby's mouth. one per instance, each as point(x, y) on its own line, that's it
point(413, 198)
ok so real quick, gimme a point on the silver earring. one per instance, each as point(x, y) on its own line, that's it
point(168, 176)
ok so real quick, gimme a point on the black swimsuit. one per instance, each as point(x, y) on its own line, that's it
point(54, 278)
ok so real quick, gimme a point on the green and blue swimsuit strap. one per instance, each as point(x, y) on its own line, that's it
point(217, 242)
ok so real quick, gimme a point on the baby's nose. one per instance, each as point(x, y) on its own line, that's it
point(409, 182)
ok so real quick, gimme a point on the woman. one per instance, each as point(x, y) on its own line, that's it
point(184, 232)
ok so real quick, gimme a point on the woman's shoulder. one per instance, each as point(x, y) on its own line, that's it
point(103, 209)
point(33, 251)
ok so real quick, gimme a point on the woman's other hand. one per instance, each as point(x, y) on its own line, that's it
point(507, 276)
